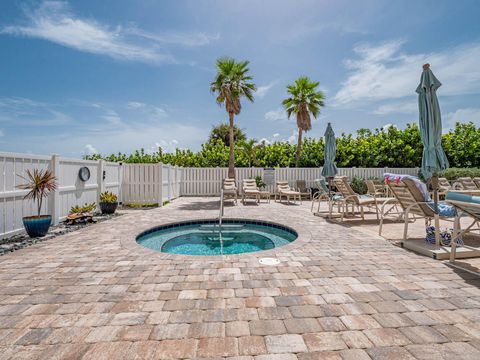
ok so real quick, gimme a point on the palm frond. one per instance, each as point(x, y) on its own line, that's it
point(231, 83)
point(40, 183)
point(304, 100)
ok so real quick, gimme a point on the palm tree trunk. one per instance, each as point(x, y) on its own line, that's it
point(231, 160)
point(299, 147)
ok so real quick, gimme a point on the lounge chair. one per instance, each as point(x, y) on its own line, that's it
point(229, 188)
point(283, 189)
point(465, 205)
point(304, 191)
point(350, 197)
point(413, 197)
point(476, 180)
point(325, 194)
point(374, 189)
point(465, 183)
point(443, 186)
point(250, 190)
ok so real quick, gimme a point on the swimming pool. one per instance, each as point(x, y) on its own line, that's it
point(205, 238)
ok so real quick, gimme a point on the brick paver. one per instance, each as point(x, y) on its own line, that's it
point(338, 293)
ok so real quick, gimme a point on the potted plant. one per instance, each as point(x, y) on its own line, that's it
point(39, 183)
point(260, 183)
point(108, 202)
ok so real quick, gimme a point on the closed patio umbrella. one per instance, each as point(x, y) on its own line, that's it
point(430, 121)
point(329, 169)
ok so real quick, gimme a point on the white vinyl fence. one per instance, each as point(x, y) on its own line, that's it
point(133, 183)
point(207, 181)
point(71, 190)
point(150, 183)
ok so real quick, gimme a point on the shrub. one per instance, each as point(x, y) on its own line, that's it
point(391, 147)
point(108, 197)
point(358, 185)
point(140, 205)
point(260, 183)
point(455, 173)
point(83, 209)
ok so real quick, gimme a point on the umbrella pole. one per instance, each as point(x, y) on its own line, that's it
point(434, 182)
point(330, 205)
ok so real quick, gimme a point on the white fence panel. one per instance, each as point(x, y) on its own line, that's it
point(113, 178)
point(71, 190)
point(207, 181)
point(141, 183)
point(13, 206)
point(150, 183)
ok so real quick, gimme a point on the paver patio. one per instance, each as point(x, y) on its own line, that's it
point(338, 293)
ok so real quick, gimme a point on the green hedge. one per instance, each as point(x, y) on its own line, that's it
point(390, 147)
point(455, 173)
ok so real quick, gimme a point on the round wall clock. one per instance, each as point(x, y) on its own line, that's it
point(84, 173)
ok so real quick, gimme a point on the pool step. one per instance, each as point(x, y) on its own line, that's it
point(224, 227)
point(217, 239)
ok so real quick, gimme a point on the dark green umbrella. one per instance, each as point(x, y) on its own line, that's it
point(329, 169)
point(434, 158)
point(430, 120)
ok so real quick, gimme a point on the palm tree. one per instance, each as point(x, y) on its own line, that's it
point(304, 101)
point(230, 84)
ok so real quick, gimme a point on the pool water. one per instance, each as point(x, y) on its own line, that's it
point(207, 239)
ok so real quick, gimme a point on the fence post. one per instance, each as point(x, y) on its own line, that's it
point(54, 197)
point(120, 182)
point(100, 179)
point(160, 184)
point(169, 182)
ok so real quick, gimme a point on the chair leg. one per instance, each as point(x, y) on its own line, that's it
point(405, 228)
point(437, 230)
point(455, 235)
point(381, 226)
point(361, 212)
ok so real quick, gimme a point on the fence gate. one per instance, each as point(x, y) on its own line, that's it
point(150, 183)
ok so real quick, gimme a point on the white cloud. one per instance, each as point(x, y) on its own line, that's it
point(461, 115)
point(55, 22)
point(292, 139)
point(135, 105)
point(276, 115)
point(410, 107)
point(166, 145)
point(90, 149)
point(385, 72)
point(151, 111)
point(112, 118)
point(263, 90)
point(23, 111)
point(173, 38)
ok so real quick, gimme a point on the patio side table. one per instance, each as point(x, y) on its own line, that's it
point(265, 195)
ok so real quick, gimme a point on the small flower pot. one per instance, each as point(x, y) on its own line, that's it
point(108, 207)
point(37, 226)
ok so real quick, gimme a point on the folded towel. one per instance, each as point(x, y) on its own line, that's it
point(444, 209)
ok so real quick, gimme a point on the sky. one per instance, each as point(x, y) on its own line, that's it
point(81, 77)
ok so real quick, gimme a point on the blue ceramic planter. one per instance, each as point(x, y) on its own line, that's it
point(37, 226)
